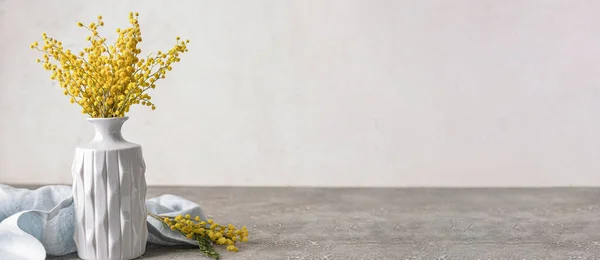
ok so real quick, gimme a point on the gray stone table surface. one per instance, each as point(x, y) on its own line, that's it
point(403, 223)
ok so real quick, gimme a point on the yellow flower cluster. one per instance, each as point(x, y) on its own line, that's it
point(195, 228)
point(106, 80)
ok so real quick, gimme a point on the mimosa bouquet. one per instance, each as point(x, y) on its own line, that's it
point(106, 80)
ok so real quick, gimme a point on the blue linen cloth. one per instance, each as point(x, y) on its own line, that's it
point(34, 223)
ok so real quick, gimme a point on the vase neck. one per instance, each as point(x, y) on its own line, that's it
point(107, 129)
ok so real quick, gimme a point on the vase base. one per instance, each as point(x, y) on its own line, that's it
point(116, 258)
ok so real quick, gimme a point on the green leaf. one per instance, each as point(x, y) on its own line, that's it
point(206, 248)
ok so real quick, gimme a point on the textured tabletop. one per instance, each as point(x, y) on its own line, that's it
point(307, 223)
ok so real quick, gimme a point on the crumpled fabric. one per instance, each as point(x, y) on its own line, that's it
point(36, 223)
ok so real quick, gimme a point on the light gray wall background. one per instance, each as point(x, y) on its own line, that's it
point(327, 93)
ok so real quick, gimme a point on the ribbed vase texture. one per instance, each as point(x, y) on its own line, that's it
point(109, 190)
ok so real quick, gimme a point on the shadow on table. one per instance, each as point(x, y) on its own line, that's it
point(152, 250)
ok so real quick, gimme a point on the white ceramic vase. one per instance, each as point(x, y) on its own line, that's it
point(109, 191)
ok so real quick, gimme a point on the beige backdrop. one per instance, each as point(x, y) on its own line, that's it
point(327, 93)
